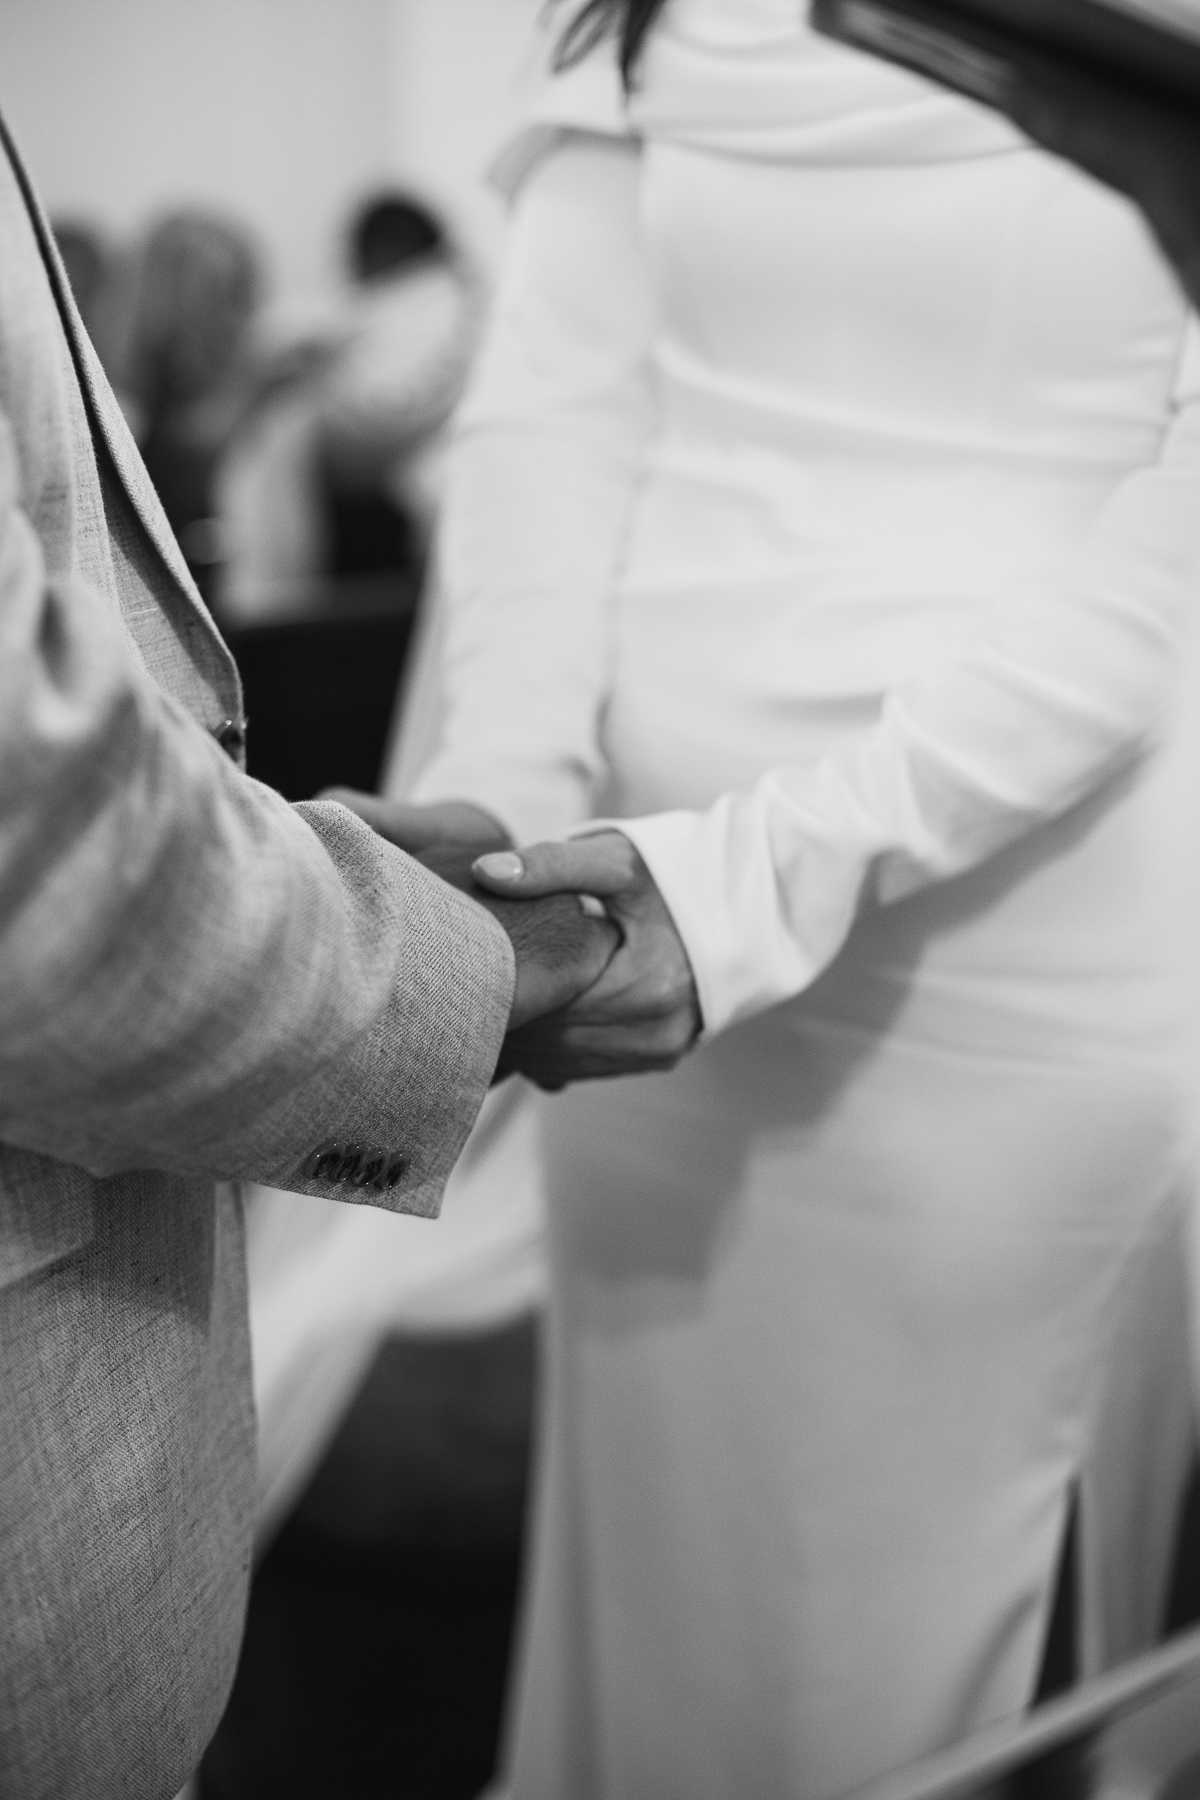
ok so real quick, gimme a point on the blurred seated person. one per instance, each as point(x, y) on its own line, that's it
point(185, 372)
point(399, 375)
point(336, 473)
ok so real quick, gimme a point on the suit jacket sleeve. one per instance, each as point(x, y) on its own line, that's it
point(195, 976)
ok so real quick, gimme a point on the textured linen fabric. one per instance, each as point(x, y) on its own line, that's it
point(825, 511)
point(197, 981)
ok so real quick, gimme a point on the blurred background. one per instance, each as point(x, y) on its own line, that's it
point(276, 222)
point(229, 181)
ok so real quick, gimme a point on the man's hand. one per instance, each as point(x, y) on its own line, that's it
point(643, 1012)
point(421, 828)
point(1140, 143)
point(560, 946)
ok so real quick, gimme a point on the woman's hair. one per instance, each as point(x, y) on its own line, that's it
point(629, 21)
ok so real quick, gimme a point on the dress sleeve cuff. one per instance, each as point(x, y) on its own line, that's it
point(715, 925)
point(751, 940)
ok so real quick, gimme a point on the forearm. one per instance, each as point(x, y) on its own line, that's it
point(539, 498)
point(193, 975)
point(534, 529)
point(1067, 682)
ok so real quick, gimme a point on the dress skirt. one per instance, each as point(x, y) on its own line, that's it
point(848, 1312)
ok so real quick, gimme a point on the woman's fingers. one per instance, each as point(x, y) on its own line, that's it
point(605, 864)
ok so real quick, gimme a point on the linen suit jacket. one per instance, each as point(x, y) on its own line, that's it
point(198, 982)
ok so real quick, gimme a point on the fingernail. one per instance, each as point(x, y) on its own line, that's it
point(501, 865)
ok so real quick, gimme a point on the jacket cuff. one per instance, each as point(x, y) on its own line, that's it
point(385, 1124)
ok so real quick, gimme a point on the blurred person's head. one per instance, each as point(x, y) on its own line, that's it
point(388, 232)
point(85, 258)
point(196, 293)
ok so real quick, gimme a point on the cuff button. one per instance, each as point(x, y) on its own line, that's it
point(350, 1162)
point(322, 1163)
point(370, 1169)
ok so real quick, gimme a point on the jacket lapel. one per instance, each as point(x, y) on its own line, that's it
point(107, 418)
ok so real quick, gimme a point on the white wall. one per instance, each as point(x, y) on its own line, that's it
point(282, 111)
point(454, 65)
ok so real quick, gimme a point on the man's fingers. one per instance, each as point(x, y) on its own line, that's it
point(591, 1045)
point(553, 1060)
point(605, 864)
point(559, 951)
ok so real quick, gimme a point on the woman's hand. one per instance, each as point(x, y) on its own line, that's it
point(560, 943)
point(418, 829)
point(643, 1012)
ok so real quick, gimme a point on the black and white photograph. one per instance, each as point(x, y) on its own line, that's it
point(599, 899)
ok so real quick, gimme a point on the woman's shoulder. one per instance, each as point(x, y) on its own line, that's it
point(556, 99)
point(749, 78)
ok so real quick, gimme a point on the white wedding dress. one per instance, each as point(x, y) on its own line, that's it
point(827, 507)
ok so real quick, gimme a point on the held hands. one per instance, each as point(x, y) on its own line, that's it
point(604, 986)
point(559, 946)
point(643, 1012)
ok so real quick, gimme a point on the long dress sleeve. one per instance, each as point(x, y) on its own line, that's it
point(1066, 683)
point(539, 495)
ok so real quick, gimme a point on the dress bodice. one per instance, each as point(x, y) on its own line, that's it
point(899, 348)
point(853, 266)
